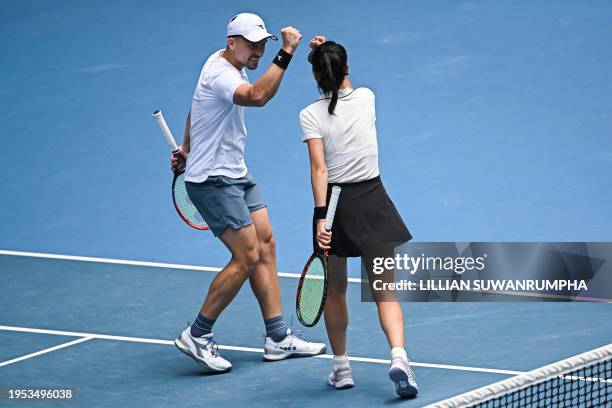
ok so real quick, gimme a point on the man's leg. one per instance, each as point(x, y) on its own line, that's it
point(280, 343)
point(264, 277)
point(243, 245)
point(197, 340)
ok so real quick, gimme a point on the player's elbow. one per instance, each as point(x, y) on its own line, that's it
point(258, 97)
point(259, 100)
point(319, 171)
point(250, 97)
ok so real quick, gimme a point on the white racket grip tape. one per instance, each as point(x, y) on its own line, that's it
point(331, 208)
point(159, 118)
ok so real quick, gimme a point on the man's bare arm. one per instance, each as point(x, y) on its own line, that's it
point(259, 93)
point(186, 136)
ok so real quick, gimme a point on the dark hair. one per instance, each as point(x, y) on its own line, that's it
point(329, 66)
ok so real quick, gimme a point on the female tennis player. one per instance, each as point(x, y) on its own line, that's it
point(340, 131)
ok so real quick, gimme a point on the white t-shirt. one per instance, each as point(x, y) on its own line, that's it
point(218, 132)
point(349, 135)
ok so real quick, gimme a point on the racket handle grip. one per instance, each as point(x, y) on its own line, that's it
point(163, 126)
point(331, 208)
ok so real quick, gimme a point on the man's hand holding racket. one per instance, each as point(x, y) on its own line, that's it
point(178, 160)
point(183, 205)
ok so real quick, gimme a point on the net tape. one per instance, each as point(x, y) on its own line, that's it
point(580, 381)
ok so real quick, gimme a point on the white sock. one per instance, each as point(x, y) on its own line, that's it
point(399, 352)
point(340, 362)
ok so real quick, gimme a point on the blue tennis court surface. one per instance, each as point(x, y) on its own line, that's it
point(494, 124)
point(131, 314)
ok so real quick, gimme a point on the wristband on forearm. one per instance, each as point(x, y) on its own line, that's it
point(282, 59)
point(320, 213)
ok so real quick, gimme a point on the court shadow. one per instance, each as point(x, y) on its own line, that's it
point(196, 371)
point(398, 400)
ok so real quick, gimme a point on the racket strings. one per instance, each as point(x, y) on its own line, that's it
point(184, 205)
point(312, 292)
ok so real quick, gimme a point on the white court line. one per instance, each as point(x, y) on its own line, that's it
point(38, 353)
point(88, 336)
point(135, 263)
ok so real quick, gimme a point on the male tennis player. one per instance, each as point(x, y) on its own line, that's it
point(226, 194)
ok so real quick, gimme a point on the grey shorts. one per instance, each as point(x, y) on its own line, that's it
point(226, 202)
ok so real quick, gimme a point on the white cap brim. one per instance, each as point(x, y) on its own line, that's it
point(259, 35)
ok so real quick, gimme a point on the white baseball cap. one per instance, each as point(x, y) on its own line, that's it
point(250, 26)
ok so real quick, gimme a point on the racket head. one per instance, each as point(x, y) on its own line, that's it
point(183, 205)
point(312, 290)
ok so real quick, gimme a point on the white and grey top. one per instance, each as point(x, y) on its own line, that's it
point(349, 135)
point(218, 132)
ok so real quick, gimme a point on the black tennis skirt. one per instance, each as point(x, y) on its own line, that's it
point(365, 217)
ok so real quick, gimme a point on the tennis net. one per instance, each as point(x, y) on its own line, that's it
point(581, 381)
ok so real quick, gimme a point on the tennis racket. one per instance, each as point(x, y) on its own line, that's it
point(183, 205)
point(312, 287)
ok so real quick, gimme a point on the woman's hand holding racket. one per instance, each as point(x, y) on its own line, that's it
point(323, 235)
point(312, 286)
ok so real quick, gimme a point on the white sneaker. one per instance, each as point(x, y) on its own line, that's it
point(341, 379)
point(291, 346)
point(203, 350)
point(403, 377)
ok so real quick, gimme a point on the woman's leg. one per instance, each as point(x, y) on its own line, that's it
point(392, 322)
point(336, 311)
point(336, 322)
point(390, 312)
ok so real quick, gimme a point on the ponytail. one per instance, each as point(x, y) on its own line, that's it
point(329, 65)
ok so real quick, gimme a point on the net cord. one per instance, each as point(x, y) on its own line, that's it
point(530, 378)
